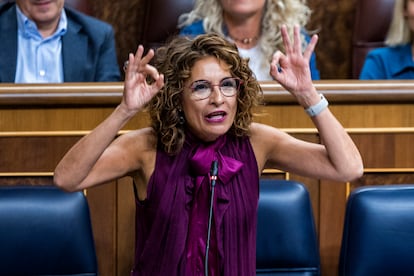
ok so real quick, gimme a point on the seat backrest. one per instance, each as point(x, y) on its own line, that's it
point(83, 6)
point(372, 20)
point(45, 231)
point(161, 19)
point(378, 235)
point(287, 242)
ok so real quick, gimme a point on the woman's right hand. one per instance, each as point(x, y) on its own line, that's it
point(137, 91)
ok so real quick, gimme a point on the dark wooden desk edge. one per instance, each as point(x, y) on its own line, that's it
point(109, 94)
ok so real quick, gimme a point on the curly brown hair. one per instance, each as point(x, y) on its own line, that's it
point(175, 60)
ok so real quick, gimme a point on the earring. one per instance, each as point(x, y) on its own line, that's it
point(181, 119)
point(125, 67)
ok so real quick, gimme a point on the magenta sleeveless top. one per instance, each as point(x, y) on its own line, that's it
point(171, 224)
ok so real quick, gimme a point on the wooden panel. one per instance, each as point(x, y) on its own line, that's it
point(395, 150)
point(39, 123)
point(126, 226)
point(103, 207)
point(27, 180)
point(332, 211)
point(66, 107)
point(33, 153)
point(385, 177)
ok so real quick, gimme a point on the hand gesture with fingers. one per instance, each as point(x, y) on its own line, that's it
point(291, 69)
point(137, 91)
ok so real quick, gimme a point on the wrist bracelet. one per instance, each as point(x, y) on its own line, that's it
point(317, 108)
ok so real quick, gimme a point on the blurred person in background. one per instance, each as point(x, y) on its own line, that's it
point(254, 25)
point(44, 42)
point(396, 60)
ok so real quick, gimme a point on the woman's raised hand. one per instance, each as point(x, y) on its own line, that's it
point(137, 91)
point(291, 69)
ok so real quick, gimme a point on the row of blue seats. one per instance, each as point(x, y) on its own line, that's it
point(45, 231)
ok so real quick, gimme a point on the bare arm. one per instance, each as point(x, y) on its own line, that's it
point(338, 158)
point(97, 158)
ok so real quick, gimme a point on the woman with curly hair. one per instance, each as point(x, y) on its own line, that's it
point(196, 169)
point(254, 25)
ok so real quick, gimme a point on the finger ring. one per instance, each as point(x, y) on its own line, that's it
point(126, 63)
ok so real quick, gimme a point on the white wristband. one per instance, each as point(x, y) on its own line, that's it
point(317, 108)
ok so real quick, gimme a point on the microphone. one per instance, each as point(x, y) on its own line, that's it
point(213, 179)
point(213, 172)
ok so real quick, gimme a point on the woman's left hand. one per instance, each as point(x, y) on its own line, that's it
point(292, 69)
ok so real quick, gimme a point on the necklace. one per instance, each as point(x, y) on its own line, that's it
point(245, 40)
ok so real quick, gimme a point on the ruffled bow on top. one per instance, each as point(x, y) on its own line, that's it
point(169, 223)
point(201, 195)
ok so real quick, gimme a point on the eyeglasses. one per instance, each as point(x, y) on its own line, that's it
point(202, 89)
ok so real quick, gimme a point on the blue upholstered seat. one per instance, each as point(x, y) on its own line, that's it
point(287, 242)
point(378, 237)
point(45, 231)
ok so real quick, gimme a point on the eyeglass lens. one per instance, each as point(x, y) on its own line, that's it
point(228, 87)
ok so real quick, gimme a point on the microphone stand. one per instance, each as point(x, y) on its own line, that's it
point(213, 178)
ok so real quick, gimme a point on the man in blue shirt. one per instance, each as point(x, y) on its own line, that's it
point(43, 42)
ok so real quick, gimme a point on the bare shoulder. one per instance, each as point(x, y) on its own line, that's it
point(266, 142)
point(261, 132)
point(144, 138)
point(137, 146)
